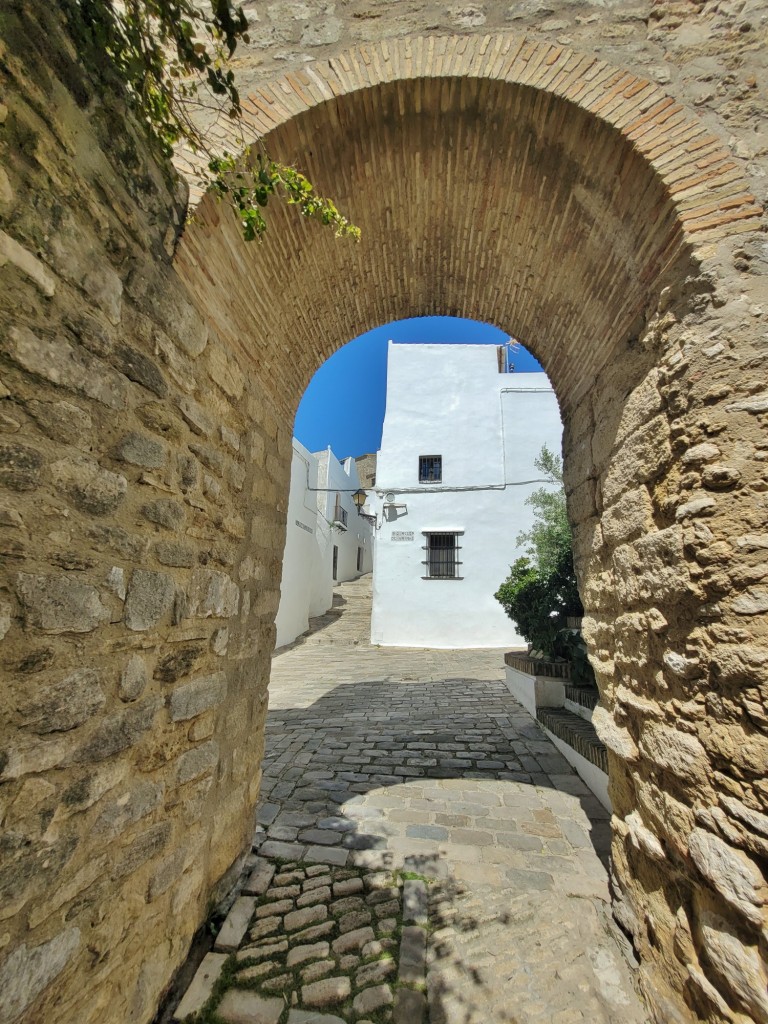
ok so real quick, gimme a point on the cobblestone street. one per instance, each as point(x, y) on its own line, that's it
point(424, 852)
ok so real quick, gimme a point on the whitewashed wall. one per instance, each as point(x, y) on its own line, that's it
point(451, 400)
point(306, 589)
point(302, 563)
point(342, 478)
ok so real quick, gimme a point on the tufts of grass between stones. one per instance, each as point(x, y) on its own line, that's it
point(232, 966)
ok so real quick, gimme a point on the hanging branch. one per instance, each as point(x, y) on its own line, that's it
point(174, 57)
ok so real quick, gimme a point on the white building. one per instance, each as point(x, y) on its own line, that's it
point(453, 473)
point(325, 540)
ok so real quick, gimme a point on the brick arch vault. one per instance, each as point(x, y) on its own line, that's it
point(148, 384)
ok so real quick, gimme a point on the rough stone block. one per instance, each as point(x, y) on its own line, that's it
point(300, 954)
point(195, 763)
point(88, 486)
point(61, 706)
point(199, 991)
point(60, 604)
point(164, 512)
point(21, 467)
point(305, 917)
point(197, 696)
point(60, 363)
point(139, 450)
point(150, 598)
point(28, 971)
point(213, 593)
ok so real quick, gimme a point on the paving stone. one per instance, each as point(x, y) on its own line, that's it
point(326, 992)
point(318, 970)
point(353, 940)
point(321, 836)
point(243, 1006)
point(413, 955)
point(235, 924)
point(256, 971)
point(348, 886)
point(283, 851)
point(260, 877)
point(260, 952)
point(373, 974)
point(317, 931)
point(273, 909)
point(311, 1017)
point(325, 855)
point(357, 919)
point(201, 986)
point(279, 983)
point(289, 877)
point(319, 895)
point(264, 927)
point(414, 902)
point(316, 869)
point(372, 999)
point(304, 917)
point(299, 954)
point(282, 892)
point(410, 1006)
point(387, 909)
point(318, 881)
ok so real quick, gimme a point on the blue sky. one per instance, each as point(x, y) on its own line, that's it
point(344, 404)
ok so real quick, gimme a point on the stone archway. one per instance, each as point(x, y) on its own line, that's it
point(150, 408)
point(580, 208)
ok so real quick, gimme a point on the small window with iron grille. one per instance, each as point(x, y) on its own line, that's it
point(442, 556)
point(430, 469)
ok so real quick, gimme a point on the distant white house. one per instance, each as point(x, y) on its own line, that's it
point(326, 539)
point(452, 476)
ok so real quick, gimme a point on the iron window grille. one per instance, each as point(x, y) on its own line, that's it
point(442, 556)
point(430, 469)
point(340, 515)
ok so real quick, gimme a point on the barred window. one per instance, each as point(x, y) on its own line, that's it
point(442, 556)
point(430, 469)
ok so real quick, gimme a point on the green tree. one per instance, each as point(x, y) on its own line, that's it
point(541, 592)
point(172, 57)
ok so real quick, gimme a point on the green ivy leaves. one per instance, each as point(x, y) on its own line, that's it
point(172, 57)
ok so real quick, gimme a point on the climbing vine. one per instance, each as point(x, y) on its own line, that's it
point(173, 58)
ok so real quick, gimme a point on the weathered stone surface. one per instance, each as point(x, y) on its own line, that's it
point(410, 1006)
point(195, 763)
point(197, 696)
point(740, 969)
point(414, 902)
point(88, 486)
point(372, 999)
point(413, 955)
point(128, 808)
point(304, 917)
point(734, 875)
point(174, 553)
point(136, 366)
point(58, 604)
point(133, 679)
point(674, 751)
point(149, 600)
point(58, 707)
point(61, 421)
point(327, 992)
point(239, 1006)
point(117, 732)
point(201, 986)
point(165, 512)
point(60, 363)
point(236, 924)
point(139, 450)
point(213, 593)
point(300, 954)
point(28, 971)
point(21, 467)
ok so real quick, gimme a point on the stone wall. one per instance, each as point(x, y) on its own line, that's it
point(148, 392)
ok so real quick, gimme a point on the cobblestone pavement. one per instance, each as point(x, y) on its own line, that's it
point(418, 833)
